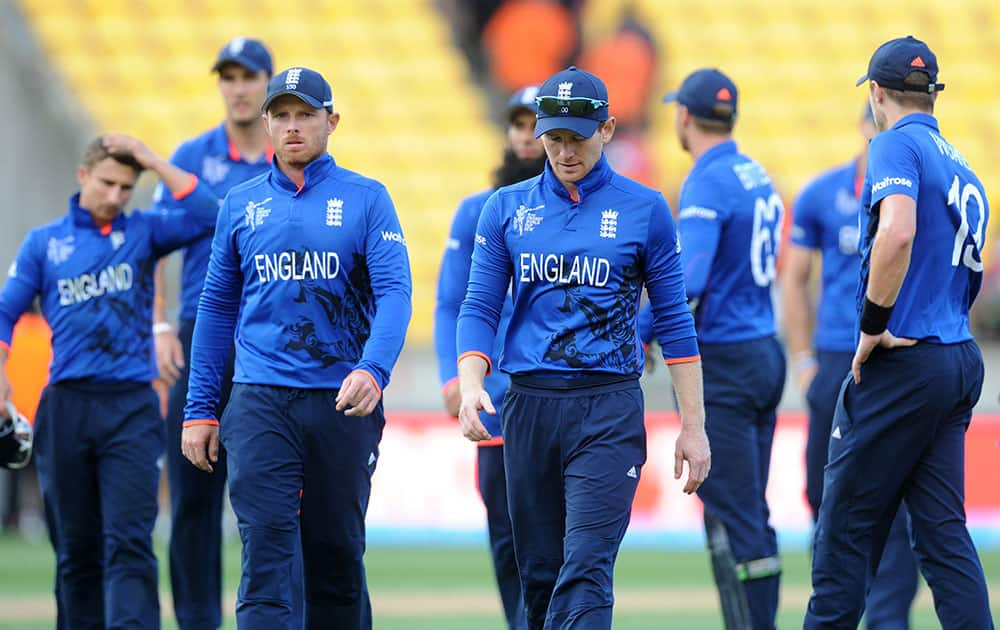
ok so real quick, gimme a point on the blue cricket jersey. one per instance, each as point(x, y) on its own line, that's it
point(576, 271)
point(453, 280)
point(826, 219)
point(730, 227)
point(946, 269)
point(218, 164)
point(314, 282)
point(96, 285)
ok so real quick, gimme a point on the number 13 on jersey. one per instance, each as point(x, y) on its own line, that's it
point(767, 215)
point(968, 254)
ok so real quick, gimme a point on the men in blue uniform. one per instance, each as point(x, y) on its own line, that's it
point(98, 431)
point(899, 427)
point(730, 226)
point(825, 222)
point(523, 157)
point(309, 269)
point(575, 245)
point(231, 153)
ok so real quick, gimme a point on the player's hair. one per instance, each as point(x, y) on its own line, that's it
point(921, 101)
point(723, 122)
point(97, 152)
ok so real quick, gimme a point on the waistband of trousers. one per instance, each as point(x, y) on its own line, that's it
point(582, 384)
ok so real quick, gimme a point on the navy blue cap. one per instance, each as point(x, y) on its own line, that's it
point(308, 85)
point(522, 100)
point(573, 83)
point(252, 54)
point(702, 91)
point(894, 60)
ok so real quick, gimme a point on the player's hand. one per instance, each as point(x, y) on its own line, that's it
point(358, 394)
point(652, 358)
point(119, 143)
point(473, 401)
point(162, 389)
point(692, 446)
point(867, 343)
point(806, 376)
point(169, 356)
point(452, 398)
point(200, 445)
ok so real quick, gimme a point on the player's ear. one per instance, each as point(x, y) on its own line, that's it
point(332, 121)
point(81, 174)
point(267, 122)
point(607, 129)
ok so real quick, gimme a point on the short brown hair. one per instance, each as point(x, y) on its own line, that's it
point(723, 120)
point(920, 100)
point(97, 152)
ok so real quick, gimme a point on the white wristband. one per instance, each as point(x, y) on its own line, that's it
point(162, 327)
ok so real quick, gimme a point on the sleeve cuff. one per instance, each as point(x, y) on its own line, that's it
point(678, 360)
point(5, 346)
point(372, 379)
point(204, 421)
point(187, 190)
point(476, 353)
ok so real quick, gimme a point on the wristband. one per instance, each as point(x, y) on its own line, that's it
point(162, 327)
point(805, 362)
point(874, 318)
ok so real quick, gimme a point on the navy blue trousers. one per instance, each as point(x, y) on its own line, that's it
point(97, 447)
point(743, 386)
point(196, 502)
point(890, 595)
point(493, 489)
point(902, 438)
point(300, 473)
point(573, 459)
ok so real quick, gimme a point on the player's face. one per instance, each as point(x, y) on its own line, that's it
point(521, 136)
point(243, 92)
point(105, 188)
point(572, 156)
point(876, 96)
point(299, 132)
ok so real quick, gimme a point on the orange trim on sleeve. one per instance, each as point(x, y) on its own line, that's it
point(372, 378)
point(493, 441)
point(5, 346)
point(476, 353)
point(448, 383)
point(195, 423)
point(192, 184)
point(696, 357)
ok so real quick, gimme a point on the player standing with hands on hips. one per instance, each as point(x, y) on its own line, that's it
point(98, 430)
point(310, 265)
point(730, 224)
point(900, 423)
point(577, 243)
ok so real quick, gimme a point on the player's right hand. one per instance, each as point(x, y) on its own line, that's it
point(169, 356)
point(120, 143)
point(200, 445)
point(452, 398)
point(468, 414)
point(692, 446)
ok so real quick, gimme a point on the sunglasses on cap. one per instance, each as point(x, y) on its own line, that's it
point(575, 106)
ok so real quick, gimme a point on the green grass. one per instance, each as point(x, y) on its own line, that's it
point(26, 569)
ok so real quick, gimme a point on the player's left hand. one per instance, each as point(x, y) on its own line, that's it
point(867, 343)
point(358, 394)
point(692, 446)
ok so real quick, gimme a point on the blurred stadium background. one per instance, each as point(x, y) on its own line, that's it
point(418, 83)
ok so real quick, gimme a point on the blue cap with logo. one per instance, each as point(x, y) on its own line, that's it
point(308, 85)
point(704, 92)
point(572, 99)
point(522, 100)
point(252, 54)
point(894, 60)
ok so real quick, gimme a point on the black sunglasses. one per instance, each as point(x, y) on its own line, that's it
point(575, 106)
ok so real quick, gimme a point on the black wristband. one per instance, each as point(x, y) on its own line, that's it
point(874, 318)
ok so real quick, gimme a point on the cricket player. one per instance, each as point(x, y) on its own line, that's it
point(900, 422)
point(576, 245)
point(98, 429)
point(229, 154)
point(825, 226)
point(309, 266)
point(730, 225)
point(523, 157)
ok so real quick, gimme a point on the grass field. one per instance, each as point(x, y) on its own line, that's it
point(452, 589)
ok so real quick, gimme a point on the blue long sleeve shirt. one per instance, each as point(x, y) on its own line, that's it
point(96, 285)
point(313, 282)
point(453, 280)
point(576, 271)
point(730, 227)
point(219, 165)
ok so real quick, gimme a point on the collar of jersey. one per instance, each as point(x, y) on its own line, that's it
point(920, 119)
point(314, 173)
point(597, 177)
point(220, 145)
point(723, 148)
point(82, 217)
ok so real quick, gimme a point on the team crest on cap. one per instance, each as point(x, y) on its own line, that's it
point(565, 90)
point(236, 45)
point(292, 78)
